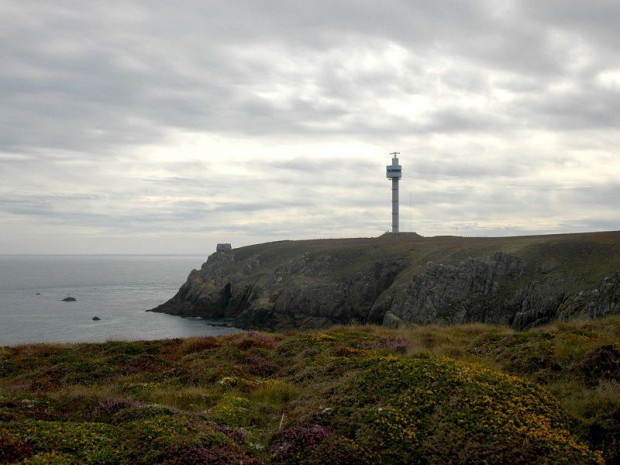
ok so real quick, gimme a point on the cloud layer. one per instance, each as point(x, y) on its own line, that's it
point(158, 127)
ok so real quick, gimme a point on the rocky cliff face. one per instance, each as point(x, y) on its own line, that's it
point(457, 294)
point(303, 292)
point(376, 283)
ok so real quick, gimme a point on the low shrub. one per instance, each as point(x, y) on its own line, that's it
point(339, 396)
point(436, 410)
point(314, 445)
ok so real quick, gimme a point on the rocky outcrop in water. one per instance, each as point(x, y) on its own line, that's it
point(268, 288)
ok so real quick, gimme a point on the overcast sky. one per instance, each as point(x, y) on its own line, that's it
point(166, 127)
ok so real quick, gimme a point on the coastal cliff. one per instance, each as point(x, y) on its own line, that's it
point(394, 279)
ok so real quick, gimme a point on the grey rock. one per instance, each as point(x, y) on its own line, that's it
point(390, 320)
point(537, 302)
point(251, 264)
point(458, 294)
point(599, 302)
point(548, 267)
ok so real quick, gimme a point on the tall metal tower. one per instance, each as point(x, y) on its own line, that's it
point(394, 172)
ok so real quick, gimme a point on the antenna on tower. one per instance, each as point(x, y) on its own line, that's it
point(410, 228)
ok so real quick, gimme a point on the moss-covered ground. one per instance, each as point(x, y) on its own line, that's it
point(349, 395)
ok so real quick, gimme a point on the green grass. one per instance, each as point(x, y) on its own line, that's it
point(586, 257)
point(362, 394)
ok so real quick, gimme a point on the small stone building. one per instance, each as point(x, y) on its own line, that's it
point(223, 248)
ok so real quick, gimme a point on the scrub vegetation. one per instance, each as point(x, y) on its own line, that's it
point(347, 395)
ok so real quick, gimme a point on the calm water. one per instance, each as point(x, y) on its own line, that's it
point(116, 288)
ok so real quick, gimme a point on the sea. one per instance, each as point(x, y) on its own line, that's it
point(117, 289)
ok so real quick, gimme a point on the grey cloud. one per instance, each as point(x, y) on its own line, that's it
point(587, 108)
point(600, 197)
point(317, 167)
point(80, 80)
point(472, 169)
point(85, 86)
point(596, 21)
point(459, 120)
point(63, 208)
point(183, 182)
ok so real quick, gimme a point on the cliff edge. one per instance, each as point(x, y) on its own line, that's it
point(405, 278)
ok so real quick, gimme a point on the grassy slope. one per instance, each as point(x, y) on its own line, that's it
point(348, 395)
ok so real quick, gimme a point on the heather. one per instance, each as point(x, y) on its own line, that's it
point(347, 395)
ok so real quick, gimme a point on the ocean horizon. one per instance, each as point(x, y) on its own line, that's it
point(118, 289)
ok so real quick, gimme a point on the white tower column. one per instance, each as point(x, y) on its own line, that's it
point(394, 205)
point(394, 172)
